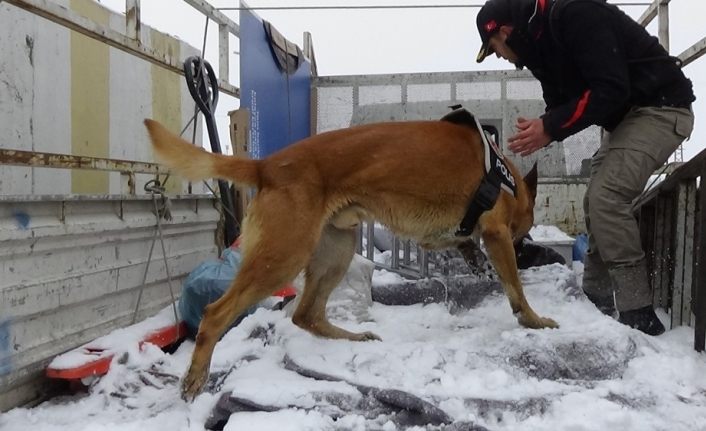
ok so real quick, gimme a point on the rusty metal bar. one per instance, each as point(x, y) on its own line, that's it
point(73, 21)
point(35, 159)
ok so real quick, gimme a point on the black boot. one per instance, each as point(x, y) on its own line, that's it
point(604, 303)
point(643, 319)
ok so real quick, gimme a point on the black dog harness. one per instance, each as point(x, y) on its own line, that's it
point(497, 175)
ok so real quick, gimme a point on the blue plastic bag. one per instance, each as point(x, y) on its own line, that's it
point(205, 284)
point(580, 247)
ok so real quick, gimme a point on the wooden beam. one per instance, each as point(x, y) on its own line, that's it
point(73, 21)
point(207, 9)
point(132, 19)
point(691, 169)
point(223, 52)
point(649, 14)
point(680, 261)
point(663, 23)
point(700, 290)
point(693, 52)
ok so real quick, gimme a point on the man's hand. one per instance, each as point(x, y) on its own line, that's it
point(529, 138)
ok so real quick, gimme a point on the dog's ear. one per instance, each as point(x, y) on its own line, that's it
point(531, 180)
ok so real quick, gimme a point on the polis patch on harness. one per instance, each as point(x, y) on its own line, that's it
point(497, 174)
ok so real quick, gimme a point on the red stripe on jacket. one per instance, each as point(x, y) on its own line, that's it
point(580, 108)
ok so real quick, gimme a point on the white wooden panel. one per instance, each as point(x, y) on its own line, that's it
point(16, 89)
point(72, 271)
point(35, 101)
point(130, 104)
point(51, 113)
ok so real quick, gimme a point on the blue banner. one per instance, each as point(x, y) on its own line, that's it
point(279, 103)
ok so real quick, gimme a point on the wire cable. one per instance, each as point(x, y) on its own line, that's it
point(373, 7)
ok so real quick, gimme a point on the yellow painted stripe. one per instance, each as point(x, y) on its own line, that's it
point(90, 104)
point(166, 94)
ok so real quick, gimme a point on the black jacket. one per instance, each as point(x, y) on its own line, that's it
point(594, 63)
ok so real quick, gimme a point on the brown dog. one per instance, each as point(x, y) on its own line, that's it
point(414, 177)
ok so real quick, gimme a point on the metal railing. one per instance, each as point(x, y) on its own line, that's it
point(414, 263)
point(672, 219)
point(411, 261)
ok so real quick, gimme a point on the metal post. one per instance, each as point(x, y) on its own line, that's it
point(407, 253)
point(395, 253)
point(370, 246)
point(424, 264)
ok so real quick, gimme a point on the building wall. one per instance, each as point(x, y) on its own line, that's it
point(495, 97)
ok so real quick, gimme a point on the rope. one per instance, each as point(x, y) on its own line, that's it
point(154, 188)
point(409, 6)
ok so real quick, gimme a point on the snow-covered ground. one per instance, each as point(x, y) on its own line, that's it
point(478, 366)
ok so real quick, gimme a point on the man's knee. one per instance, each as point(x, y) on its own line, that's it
point(601, 201)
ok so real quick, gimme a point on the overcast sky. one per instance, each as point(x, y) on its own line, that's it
point(352, 42)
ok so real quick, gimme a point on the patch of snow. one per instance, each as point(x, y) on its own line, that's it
point(546, 233)
point(476, 365)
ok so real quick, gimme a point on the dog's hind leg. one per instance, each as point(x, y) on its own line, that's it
point(498, 242)
point(326, 268)
point(273, 254)
point(254, 282)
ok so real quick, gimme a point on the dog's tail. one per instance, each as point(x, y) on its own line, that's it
point(195, 163)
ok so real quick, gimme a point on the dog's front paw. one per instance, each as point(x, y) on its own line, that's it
point(193, 383)
point(366, 336)
point(535, 322)
point(546, 322)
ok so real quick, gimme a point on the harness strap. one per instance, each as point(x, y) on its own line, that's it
point(496, 173)
point(483, 200)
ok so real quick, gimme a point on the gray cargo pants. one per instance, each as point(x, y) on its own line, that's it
point(620, 169)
